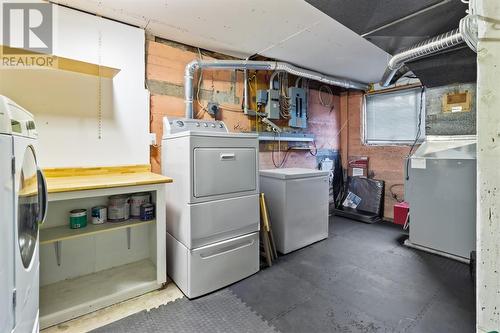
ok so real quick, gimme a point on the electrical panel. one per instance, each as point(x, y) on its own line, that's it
point(298, 107)
point(261, 97)
point(273, 104)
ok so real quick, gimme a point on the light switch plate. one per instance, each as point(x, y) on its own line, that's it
point(152, 139)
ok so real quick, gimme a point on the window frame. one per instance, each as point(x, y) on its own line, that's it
point(389, 142)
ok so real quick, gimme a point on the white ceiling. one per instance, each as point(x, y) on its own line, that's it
point(288, 30)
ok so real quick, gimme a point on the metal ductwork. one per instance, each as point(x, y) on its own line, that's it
point(434, 45)
point(257, 65)
point(465, 34)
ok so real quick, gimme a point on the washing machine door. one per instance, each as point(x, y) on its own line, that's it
point(28, 208)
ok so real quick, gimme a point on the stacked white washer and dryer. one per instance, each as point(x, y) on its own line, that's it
point(212, 205)
point(23, 206)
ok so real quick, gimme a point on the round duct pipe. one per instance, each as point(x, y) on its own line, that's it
point(257, 65)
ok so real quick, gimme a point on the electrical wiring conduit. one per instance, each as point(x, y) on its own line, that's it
point(257, 65)
point(465, 33)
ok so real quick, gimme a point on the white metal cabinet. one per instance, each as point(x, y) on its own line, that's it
point(297, 200)
point(84, 274)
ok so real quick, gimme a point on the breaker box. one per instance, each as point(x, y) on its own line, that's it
point(298, 107)
point(273, 104)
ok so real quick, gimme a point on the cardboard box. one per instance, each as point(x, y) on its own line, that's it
point(357, 166)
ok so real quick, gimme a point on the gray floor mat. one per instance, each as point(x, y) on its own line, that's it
point(361, 279)
point(218, 312)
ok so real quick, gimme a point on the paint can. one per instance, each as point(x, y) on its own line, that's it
point(118, 208)
point(147, 212)
point(99, 214)
point(136, 200)
point(78, 218)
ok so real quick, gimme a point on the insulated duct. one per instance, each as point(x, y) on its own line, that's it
point(434, 45)
point(451, 39)
point(257, 65)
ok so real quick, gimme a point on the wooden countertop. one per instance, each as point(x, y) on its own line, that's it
point(78, 179)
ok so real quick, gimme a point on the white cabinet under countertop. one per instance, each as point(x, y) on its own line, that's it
point(83, 270)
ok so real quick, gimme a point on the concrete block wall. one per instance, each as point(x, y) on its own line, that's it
point(165, 62)
point(438, 122)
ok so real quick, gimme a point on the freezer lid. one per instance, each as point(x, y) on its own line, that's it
point(292, 173)
point(447, 147)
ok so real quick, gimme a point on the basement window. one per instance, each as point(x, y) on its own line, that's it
point(393, 117)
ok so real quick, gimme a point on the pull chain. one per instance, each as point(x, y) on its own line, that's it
point(99, 115)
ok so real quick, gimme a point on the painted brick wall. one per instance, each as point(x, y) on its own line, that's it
point(165, 74)
point(165, 63)
point(386, 162)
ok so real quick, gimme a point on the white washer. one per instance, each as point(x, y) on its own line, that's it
point(212, 205)
point(297, 200)
point(23, 205)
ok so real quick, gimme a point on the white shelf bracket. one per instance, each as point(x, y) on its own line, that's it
point(58, 248)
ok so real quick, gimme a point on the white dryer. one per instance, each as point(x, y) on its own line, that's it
point(23, 205)
point(212, 205)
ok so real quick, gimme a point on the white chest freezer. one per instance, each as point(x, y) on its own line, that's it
point(297, 200)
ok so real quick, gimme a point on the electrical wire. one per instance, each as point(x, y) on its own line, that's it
point(419, 131)
point(315, 149)
point(407, 221)
point(284, 99)
point(285, 157)
point(203, 108)
point(394, 195)
point(330, 92)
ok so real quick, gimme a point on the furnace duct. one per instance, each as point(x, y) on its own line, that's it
point(466, 33)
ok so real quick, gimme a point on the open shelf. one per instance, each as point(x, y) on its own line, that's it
point(66, 64)
point(56, 234)
point(286, 136)
point(75, 297)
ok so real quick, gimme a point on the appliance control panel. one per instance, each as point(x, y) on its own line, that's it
point(176, 125)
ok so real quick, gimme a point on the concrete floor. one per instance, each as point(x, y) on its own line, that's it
point(360, 279)
point(119, 311)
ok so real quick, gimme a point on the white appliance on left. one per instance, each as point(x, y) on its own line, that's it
point(23, 205)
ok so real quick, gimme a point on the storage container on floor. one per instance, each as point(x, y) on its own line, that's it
point(297, 199)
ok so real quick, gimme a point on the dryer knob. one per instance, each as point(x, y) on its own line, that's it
point(213, 125)
point(221, 125)
point(180, 123)
point(197, 124)
point(205, 124)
